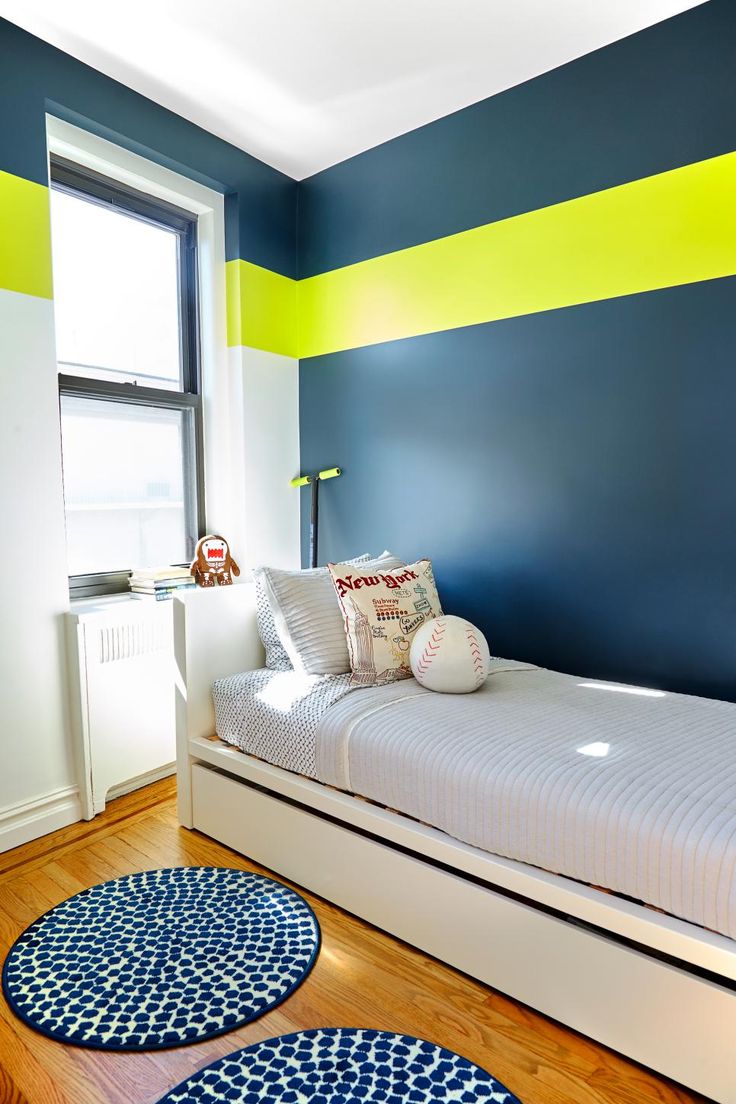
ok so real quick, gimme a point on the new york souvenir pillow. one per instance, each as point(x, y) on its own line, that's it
point(382, 611)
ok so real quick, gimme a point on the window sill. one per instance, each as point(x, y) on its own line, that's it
point(103, 602)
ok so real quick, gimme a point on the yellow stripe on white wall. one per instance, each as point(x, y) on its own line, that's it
point(261, 308)
point(25, 237)
point(678, 227)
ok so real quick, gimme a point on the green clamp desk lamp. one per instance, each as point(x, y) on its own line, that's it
point(314, 481)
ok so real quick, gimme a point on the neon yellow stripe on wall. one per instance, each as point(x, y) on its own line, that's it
point(25, 236)
point(261, 308)
point(678, 227)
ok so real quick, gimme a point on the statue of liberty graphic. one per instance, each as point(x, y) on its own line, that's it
point(364, 668)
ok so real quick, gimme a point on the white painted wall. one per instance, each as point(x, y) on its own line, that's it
point(264, 427)
point(37, 771)
point(251, 453)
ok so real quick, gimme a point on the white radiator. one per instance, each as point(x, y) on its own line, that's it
point(122, 670)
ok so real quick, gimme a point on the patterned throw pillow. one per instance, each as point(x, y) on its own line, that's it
point(382, 611)
point(276, 657)
point(286, 599)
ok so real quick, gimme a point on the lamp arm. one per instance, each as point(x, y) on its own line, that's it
point(314, 481)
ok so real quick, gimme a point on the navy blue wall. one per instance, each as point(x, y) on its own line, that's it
point(662, 98)
point(35, 78)
point(572, 474)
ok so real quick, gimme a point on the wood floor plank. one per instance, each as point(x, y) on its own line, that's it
point(127, 808)
point(113, 867)
point(88, 870)
point(363, 978)
point(9, 1091)
point(47, 887)
point(62, 878)
point(25, 1070)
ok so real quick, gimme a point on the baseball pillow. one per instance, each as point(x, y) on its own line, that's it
point(450, 655)
point(383, 608)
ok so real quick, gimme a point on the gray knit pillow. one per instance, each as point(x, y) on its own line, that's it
point(276, 656)
point(308, 617)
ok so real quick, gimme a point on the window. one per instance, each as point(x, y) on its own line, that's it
point(125, 297)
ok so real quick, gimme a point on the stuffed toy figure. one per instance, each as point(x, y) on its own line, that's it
point(212, 564)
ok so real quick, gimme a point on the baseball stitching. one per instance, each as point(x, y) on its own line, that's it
point(431, 648)
point(476, 654)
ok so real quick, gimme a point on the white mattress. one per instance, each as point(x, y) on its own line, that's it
point(631, 790)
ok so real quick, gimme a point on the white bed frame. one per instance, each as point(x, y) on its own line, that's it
point(652, 987)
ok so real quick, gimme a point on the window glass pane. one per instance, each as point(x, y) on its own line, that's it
point(116, 294)
point(125, 474)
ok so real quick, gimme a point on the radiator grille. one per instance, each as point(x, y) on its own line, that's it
point(133, 638)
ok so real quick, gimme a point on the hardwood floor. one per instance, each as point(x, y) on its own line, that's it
point(363, 978)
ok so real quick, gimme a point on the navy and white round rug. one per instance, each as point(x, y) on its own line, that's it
point(341, 1066)
point(161, 958)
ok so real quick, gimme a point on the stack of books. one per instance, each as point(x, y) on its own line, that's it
point(159, 583)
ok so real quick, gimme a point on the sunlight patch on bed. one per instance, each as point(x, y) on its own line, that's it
point(596, 749)
point(639, 691)
point(285, 689)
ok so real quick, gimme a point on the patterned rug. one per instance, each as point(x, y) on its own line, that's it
point(341, 1066)
point(161, 958)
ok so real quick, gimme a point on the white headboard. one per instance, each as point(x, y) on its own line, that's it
point(215, 635)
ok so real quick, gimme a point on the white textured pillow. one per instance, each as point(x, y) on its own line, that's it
point(308, 617)
point(277, 658)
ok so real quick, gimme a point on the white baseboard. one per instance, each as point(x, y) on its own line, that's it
point(31, 819)
point(136, 783)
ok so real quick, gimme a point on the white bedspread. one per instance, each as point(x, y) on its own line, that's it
point(627, 789)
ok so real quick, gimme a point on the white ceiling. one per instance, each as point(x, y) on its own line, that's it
point(303, 84)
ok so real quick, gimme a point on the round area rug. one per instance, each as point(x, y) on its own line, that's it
point(161, 958)
point(341, 1066)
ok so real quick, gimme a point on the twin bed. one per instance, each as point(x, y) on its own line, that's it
point(569, 842)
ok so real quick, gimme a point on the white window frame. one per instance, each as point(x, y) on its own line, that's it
point(108, 159)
